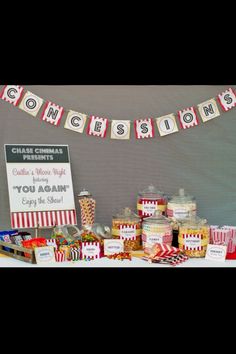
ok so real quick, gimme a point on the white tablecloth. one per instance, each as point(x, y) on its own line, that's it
point(106, 263)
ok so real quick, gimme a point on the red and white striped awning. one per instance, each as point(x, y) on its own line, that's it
point(43, 219)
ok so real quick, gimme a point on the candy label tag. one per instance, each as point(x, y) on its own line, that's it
point(113, 246)
point(216, 253)
point(44, 254)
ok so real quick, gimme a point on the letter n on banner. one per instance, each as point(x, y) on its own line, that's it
point(52, 113)
point(167, 124)
point(188, 118)
point(97, 126)
point(144, 128)
point(227, 99)
point(12, 94)
point(208, 110)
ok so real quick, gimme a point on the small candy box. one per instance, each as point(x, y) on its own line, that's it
point(5, 236)
point(156, 229)
point(194, 236)
point(149, 201)
point(127, 226)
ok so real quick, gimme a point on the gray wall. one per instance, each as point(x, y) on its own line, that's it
point(201, 159)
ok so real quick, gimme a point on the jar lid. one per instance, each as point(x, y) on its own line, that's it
point(84, 193)
point(182, 197)
point(127, 214)
point(157, 218)
point(193, 221)
point(151, 192)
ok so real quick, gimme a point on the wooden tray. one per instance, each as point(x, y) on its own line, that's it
point(18, 252)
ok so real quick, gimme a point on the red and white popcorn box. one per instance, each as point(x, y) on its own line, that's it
point(231, 239)
point(90, 250)
point(212, 227)
point(60, 256)
point(220, 236)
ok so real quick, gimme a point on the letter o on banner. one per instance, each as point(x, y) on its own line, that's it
point(75, 121)
point(120, 129)
point(31, 103)
point(188, 118)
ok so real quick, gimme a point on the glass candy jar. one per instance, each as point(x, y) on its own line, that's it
point(150, 200)
point(194, 236)
point(181, 206)
point(126, 226)
point(156, 229)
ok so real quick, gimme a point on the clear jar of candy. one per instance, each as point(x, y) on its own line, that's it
point(194, 236)
point(126, 226)
point(181, 206)
point(156, 229)
point(150, 200)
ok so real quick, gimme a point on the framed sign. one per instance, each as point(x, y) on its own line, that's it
point(40, 185)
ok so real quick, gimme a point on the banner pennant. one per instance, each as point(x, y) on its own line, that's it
point(208, 110)
point(52, 113)
point(227, 99)
point(12, 94)
point(97, 126)
point(75, 121)
point(144, 128)
point(120, 129)
point(188, 118)
point(31, 103)
point(167, 124)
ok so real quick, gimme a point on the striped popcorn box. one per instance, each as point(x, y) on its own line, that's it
point(75, 254)
point(220, 236)
point(213, 227)
point(60, 256)
point(233, 231)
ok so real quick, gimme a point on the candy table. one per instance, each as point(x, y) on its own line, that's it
point(106, 263)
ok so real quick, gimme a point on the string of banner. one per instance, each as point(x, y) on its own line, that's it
point(120, 129)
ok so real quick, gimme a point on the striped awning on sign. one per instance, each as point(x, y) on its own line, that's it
point(43, 219)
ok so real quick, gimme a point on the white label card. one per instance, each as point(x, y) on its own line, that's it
point(216, 253)
point(44, 255)
point(113, 246)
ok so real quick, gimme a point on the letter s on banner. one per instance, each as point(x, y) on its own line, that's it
point(120, 129)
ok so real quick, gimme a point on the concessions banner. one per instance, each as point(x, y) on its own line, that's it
point(96, 126)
